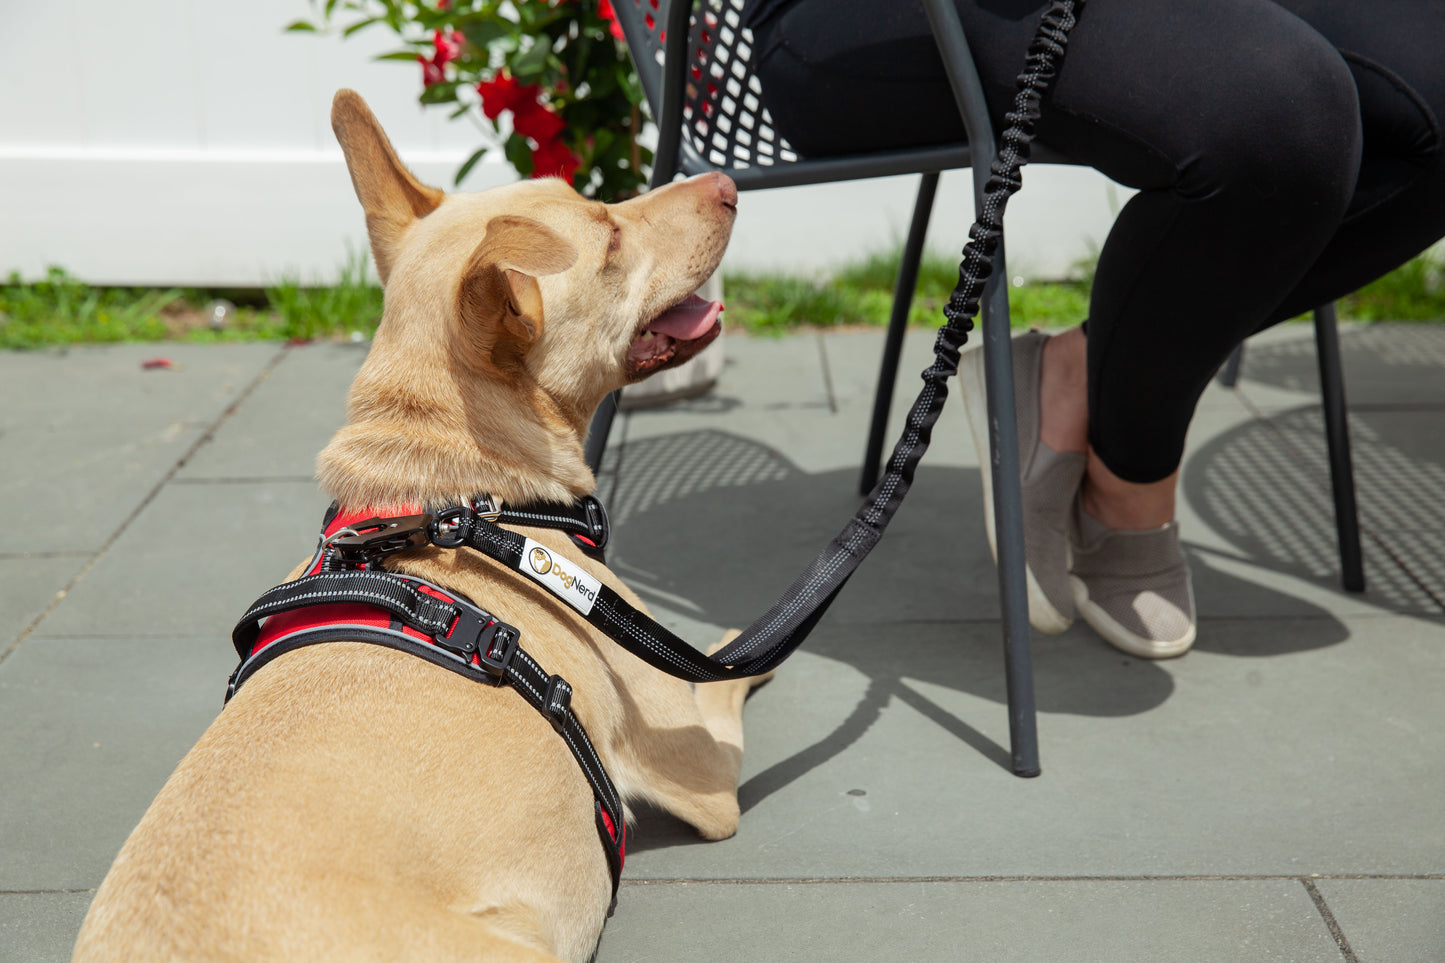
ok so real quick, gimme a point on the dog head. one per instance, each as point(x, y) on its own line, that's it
point(510, 314)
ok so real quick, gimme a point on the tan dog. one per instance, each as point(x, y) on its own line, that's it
point(353, 802)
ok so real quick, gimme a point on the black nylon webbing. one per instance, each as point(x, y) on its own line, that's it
point(549, 694)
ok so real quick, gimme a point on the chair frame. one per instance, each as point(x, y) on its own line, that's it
point(1337, 440)
point(675, 155)
point(666, 83)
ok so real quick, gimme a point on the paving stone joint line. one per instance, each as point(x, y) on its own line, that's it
point(149, 497)
point(1333, 924)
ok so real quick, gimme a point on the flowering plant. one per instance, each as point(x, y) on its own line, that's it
point(549, 81)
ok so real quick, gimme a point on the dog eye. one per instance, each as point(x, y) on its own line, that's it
point(615, 244)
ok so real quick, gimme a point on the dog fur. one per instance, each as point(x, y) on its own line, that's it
point(357, 803)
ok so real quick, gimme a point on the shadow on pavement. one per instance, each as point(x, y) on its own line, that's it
point(1265, 487)
point(715, 526)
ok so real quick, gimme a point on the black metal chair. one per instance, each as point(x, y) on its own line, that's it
point(1337, 440)
point(694, 60)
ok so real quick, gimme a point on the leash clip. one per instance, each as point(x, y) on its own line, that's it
point(376, 538)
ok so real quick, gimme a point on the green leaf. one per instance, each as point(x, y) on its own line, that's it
point(466, 168)
point(531, 62)
point(484, 33)
point(300, 26)
point(407, 55)
point(443, 93)
point(359, 25)
point(519, 154)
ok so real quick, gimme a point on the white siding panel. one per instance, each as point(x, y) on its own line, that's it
point(189, 142)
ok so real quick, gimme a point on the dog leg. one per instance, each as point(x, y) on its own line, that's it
point(686, 744)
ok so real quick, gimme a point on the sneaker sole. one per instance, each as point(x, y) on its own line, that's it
point(1042, 614)
point(1121, 638)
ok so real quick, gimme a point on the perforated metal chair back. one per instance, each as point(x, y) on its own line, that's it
point(726, 123)
point(711, 111)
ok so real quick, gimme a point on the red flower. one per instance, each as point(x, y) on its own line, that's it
point(430, 72)
point(448, 46)
point(503, 92)
point(538, 122)
point(554, 159)
point(605, 11)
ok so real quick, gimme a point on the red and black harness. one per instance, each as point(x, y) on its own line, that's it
point(345, 595)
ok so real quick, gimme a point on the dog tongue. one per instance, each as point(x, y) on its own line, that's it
point(691, 319)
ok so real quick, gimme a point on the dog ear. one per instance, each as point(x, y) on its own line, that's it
point(391, 197)
point(499, 304)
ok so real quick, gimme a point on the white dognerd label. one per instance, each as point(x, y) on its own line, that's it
point(560, 575)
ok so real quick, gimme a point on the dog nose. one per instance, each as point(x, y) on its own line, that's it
point(727, 191)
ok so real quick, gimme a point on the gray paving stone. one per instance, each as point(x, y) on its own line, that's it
point(1389, 920)
point(85, 434)
point(287, 420)
point(89, 730)
point(1383, 363)
point(1103, 921)
point(40, 927)
point(193, 560)
point(881, 752)
point(1257, 491)
point(723, 543)
point(27, 586)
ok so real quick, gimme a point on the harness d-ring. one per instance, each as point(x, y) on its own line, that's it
point(451, 527)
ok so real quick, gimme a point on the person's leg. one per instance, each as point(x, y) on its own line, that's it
point(1393, 48)
point(1245, 153)
point(1237, 122)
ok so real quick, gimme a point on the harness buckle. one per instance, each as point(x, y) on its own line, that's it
point(492, 642)
point(557, 702)
point(488, 507)
point(597, 522)
point(378, 537)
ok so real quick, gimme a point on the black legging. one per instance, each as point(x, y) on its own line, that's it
point(1285, 151)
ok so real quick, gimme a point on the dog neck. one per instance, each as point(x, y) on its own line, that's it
point(431, 433)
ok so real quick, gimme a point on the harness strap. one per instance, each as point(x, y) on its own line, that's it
point(412, 615)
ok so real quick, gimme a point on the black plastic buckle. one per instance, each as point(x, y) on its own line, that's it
point(557, 702)
point(378, 537)
point(476, 633)
point(597, 523)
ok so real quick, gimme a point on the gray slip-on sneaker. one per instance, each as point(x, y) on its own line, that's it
point(1133, 587)
point(1049, 480)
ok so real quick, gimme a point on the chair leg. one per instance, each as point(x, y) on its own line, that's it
point(601, 427)
point(1337, 436)
point(1008, 522)
point(1229, 374)
point(897, 327)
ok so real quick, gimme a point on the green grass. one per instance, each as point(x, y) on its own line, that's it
point(1413, 292)
point(60, 309)
point(862, 294)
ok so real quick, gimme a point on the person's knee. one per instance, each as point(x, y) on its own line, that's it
point(1286, 135)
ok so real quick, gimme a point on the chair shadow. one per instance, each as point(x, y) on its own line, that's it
point(715, 526)
point(1265, 485)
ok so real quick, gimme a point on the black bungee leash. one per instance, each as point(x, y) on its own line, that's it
point(453, 632)
point(783, 627)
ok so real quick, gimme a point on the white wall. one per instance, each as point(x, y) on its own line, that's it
point(188, 142)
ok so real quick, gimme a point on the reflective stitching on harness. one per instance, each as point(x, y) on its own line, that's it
point(289, 603)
